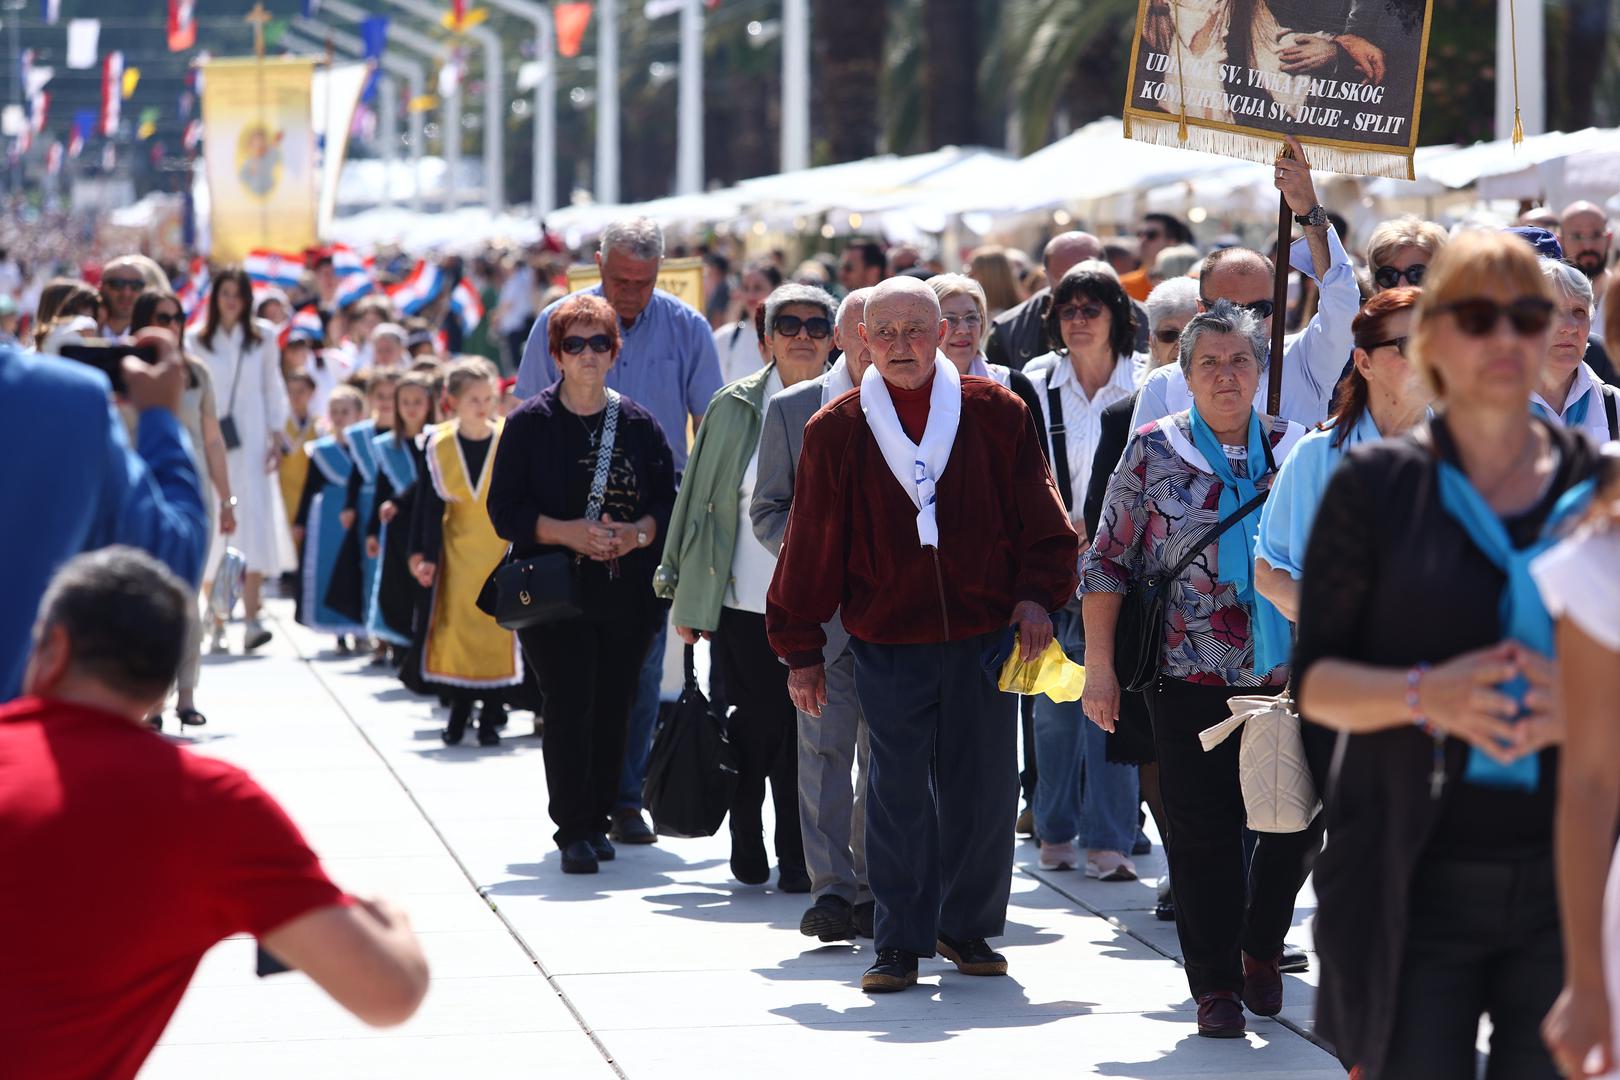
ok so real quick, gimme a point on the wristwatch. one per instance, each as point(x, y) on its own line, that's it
point(1316, 216)
point(642, 538)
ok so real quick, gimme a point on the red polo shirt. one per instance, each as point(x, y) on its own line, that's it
point(123, 858)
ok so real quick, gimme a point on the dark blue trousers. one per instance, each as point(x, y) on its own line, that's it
point(942, 787)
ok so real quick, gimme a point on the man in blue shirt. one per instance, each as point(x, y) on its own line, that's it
point(74, 484)
point(669, 366)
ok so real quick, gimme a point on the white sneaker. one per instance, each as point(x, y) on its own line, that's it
point(1058, 856)
point(1109, 866)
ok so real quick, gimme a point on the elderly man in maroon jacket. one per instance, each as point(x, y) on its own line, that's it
point(923, 507)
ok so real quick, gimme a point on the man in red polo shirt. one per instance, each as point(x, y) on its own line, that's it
point(924, 511)
point(124, 858)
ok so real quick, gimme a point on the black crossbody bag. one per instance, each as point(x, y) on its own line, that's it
point(545, 589)
point(1139, 633)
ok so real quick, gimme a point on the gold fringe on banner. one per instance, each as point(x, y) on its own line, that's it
point(1261, 148)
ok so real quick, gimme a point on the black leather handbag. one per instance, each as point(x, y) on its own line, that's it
point(1139, 633)
point(545, 589)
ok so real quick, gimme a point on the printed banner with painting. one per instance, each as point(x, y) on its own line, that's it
point(259, 144)
point(1233, 77)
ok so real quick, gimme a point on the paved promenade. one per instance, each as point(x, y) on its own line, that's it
point(660, 966)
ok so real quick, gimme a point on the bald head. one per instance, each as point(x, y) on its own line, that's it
point(1064, 250)
point(903, 328)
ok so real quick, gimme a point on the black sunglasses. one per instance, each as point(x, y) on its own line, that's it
point(1167, 335)
point(790, 325)
point(1088, 312)
point(1398, 342)
point(573, 345)
point(1260, 309)
point(1388, 277)
point(1477, 317)
point(122, 283)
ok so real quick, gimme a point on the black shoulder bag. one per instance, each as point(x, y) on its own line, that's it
point(1139, 633)
point(544, 589)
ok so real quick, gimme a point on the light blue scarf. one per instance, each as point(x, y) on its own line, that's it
point(1267, 628)
point(1524, 616)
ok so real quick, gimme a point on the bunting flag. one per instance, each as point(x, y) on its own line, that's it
point(273, 268)
point(112, 92)
point(50, 10)
point(418, 290)
point(83, 42)
point(466, 307)
point(194, 289)
point(182, 26)
point(571, 21)
point(53, 159)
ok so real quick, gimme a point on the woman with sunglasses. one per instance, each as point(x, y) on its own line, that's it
point(1422, 641)
point(1093, 366)
point(717, 572)
point(1585, 403)
point(1400, 250)
point(587, 665)
point(159, 307)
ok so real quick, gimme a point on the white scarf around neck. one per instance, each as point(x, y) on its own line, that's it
point(916, 467)
point(838, 383)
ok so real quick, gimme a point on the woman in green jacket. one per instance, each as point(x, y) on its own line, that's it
point(716, 574)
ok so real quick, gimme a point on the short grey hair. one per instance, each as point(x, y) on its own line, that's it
point(795, 293)
point(1223, 317)
point(640, 238)
point(851, 298)
point(1568, 280)
point(1172, 299)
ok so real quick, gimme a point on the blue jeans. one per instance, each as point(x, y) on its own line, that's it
point(643, 718)
point(1101, 811)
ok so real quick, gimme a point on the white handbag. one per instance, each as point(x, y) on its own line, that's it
point(1278, 794)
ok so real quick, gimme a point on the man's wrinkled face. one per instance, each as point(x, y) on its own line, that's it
point(903, 331)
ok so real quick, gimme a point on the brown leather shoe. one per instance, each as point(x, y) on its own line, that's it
point(1220, 1016)
point(1262, 986)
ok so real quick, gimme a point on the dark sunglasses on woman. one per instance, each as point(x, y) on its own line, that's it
point(573, 345)
point(790, 325)
point(1477, 317)
point(1388, 277)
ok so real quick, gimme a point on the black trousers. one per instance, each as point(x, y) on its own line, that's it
point(764, 730)
point(942, 786)
point(1482, 938)
point(1216, 915)
point(588, 669)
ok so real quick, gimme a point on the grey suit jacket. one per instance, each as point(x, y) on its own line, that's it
point(781, 437)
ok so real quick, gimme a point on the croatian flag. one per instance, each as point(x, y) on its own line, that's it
point(306, 325)
point(273, 268)
point(112, 92)
point(466, 307)
point(195, 288)
point(419, 290)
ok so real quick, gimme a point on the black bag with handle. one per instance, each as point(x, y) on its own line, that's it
point(692, 772)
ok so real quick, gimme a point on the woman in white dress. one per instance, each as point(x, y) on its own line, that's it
point(251, 401)
point(1580, 582)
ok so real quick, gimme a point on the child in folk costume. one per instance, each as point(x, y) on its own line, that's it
point(400, 465)
point(350, 591)
point(462, 655)
point(302, 426)
point(317, 526)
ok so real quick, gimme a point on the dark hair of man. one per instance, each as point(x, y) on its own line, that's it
point(1175, 230)
point(1079, 285)
point(871, 253)
point(125, 618)
point(146, 304)
point(244, 285)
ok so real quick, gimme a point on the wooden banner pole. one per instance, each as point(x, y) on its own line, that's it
point(1279, 306)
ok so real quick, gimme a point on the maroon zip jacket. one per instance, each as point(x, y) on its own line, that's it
point(851, 538)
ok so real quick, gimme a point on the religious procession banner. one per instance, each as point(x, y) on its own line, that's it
point(1234, 76)
point(259, 145)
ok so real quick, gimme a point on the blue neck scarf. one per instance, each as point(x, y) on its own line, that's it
point(1268, 629)
point(1524, 616)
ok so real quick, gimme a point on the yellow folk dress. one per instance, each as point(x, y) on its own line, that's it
point(464, 647)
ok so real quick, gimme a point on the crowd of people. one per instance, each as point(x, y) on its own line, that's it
point(864, 480)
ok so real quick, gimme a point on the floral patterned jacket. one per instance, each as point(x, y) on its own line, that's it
point(1161, 498)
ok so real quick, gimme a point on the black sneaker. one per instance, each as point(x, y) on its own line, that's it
point(603, 848)
point(579, 858)
point(863, 916)
point(830, 918)
point(895, 970)
point(629, 827)
point(792, 879)
point(973, 956)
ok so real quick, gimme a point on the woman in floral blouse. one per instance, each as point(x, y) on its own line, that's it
point(1176, 480)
